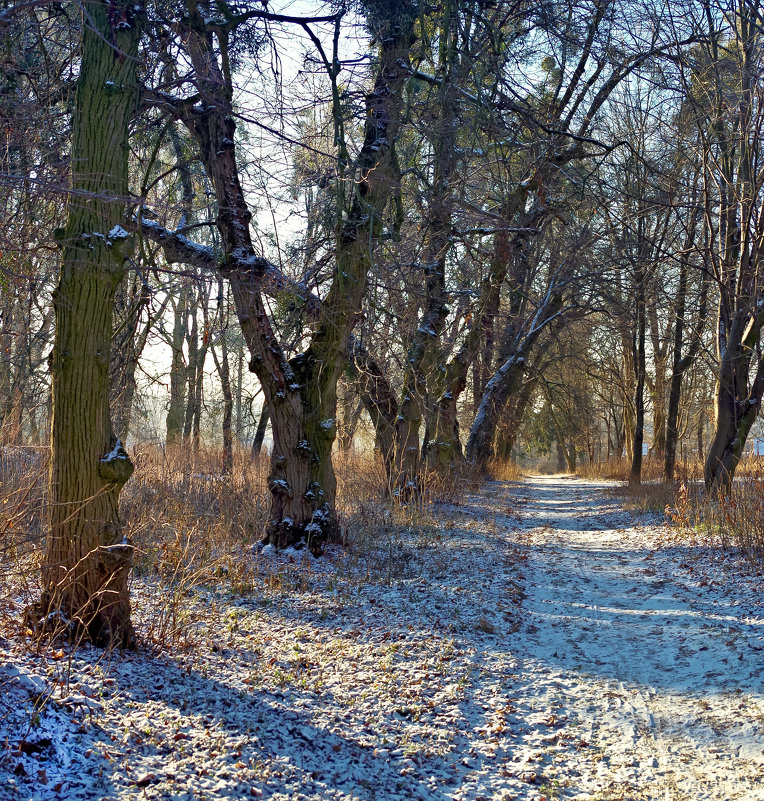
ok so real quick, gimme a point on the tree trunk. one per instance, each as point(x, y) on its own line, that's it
point(178, 369)
point(736, 412)
point(239, 427)
point(87, 561)
point(561, 457)
point(127, 346)
point(301, 392)
point(508, 380)
point(635, 474)
point(380, 402)
point(446, 448)
point(192, 339)
point(225, 383)
point(178, 375)
point(223, 368)
point(262, 425)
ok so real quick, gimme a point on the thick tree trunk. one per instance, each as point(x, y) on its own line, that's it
point(733, 188)
point(508, 380)
point(87, 561)
point(424, 351)
point(503, 384)
point(424, 358)
point(736, 412)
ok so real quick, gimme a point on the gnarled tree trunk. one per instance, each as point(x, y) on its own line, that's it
point(301, 392)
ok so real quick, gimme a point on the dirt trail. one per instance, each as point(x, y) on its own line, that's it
point(630, 671)
point(649, 672)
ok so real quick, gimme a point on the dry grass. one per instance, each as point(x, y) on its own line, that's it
point(386, 533)
point(652, 496)
point(179, 503)
point(505, 471)
point(193, 529)
point(619, 469)
point(23, 498)
point(734, 519)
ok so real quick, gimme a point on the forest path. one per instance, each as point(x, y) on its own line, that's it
point(643, 660)
point(529, 641)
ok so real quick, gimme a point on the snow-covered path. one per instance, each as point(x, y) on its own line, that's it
point(652, 659)
point(532, 641)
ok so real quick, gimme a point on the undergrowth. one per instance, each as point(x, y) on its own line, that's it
point(733, 519)
point(195, 533)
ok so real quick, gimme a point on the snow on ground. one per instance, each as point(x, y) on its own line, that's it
point(630, 670)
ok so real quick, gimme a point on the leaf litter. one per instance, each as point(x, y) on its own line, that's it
point(544, 643)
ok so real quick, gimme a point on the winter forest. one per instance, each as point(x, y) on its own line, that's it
point(379, 385)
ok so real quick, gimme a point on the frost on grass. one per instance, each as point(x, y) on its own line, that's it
point(421, 666)
point(362, 672)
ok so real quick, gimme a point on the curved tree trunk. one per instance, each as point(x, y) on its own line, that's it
point(734, 417)
point(87, 561)
point(508, 380)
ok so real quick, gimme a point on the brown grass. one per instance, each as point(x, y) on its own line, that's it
point(652, 496)
point(733, 520)
point(504, 471)
point(23, 498)
point(192, 529)
point(619, 469)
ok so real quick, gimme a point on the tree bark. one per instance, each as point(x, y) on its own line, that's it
point(424, 352)
point(222, 365)
point(175, 410)
point(681, 363)
point(87, 561)
point(262, 425)
point(638, 350)
point(507, 380)
point(380, 403)
point(446, 448)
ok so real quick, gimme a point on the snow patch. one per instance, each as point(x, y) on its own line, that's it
point(118, 233)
